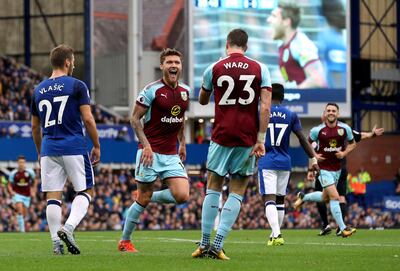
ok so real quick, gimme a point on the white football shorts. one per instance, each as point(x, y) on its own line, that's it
point(56, 169)
point(273, 182)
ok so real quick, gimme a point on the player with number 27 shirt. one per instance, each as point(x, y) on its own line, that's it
point(60, 104)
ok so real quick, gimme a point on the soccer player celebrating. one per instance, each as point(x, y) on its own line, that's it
point(274, 168)
point(162, 104)
point(331, 138)
point(298, 56)
point(239, 84)
point(342, 182)
point(20, 182)
point(59, 105)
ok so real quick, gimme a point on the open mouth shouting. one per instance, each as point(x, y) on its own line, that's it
point(173, 72)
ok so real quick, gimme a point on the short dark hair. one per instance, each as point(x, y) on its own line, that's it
point(21, 157)
point(169, 52)
point(237, 37)
point(333, 104)
point(334, 12)
point(59, 54)
point(291, 11)
point(278, 92)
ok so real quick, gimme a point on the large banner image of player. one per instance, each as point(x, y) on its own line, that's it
point(304, 44)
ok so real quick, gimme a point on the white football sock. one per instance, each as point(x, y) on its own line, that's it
point(281, 213)
point(53, 216)
point(79, 209)
point(272, 216)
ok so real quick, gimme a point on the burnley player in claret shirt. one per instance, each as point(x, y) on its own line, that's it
point(331, 138)
point(240, 84)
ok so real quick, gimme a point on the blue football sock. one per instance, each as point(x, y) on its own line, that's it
point(314, 196)
point(21, 223)
point(337, 213)
point(132, 219)
point(229, 213)
point(163, 196)
point(208, 215)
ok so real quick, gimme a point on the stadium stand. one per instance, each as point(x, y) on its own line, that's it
point(115, 192)
point(17, 82)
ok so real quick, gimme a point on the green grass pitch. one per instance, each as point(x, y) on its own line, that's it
point(170, 250)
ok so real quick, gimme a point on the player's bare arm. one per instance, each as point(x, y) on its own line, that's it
point(204, 96)
point(350, 147)
point(374, 132)
point(36, 134)
point(265, 109)
point(147, 154)
point(10, 189)
point(315, 76)
point(182, 143)
point(90, 126)
point(313, 163)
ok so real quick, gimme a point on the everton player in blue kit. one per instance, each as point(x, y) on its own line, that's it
point(274, 168)
point(331, 137)
point(162, 104)
point(59, 106)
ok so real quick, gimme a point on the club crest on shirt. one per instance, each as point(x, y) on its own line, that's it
point(285, 56)
point(340, 132)
point(140, 99)
point(184, 96)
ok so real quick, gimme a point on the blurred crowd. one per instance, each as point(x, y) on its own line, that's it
point(116, 190)
point(17, 83)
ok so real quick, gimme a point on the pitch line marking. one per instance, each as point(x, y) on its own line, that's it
point(180, 240)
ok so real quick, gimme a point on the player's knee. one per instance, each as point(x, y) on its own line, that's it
point(334, 197)
point(181, 198)
point(144, 197)
point(280, 199)
point(269, 197)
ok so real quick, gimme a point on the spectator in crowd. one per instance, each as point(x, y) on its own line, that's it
point(397, 182)
point(16, 88)
point(119, 185)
